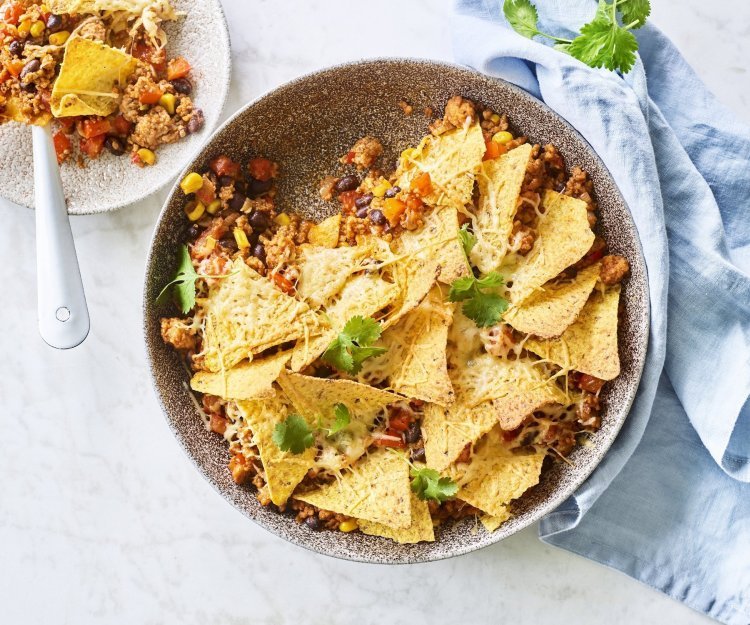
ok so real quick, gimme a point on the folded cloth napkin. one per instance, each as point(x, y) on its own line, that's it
point(670, 503)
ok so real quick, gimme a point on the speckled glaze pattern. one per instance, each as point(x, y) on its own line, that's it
point(110, 182)
point(306, 125)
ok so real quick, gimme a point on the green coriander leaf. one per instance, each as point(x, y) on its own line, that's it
point(363, 331)
point(183, 283)
point(491, 280)
point(360, 354)
point(428, 484)
point(604, 43)
point(337, 355)
point(468, 240)
point(522, 16)
point(293, 434)
point(485, 309)
point(634, 12)
point(341, 420)
point(461, 289)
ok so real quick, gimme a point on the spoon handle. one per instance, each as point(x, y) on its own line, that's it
point(61, 302)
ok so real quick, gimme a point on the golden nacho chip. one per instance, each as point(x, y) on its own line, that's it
point(419, 530)
point(89, 76)
point(500, 181)
point(246, 314)
point(326, 233)
point(589, 345)
point(491, 523)
point(452, 160)
point(377, 488)
point(284, 470)
point(324, 271)
point(495, 476)
point(248, 380)
point(362, 295)
point(549, 311)
point(563, 237)
point(415, 363)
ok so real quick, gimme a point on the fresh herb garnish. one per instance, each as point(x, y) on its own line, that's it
point(604, 42)
point(481, 302)
point(468, 240)
point(342, 418)
point(428, 484)
point(293, 434)
point(352, 346)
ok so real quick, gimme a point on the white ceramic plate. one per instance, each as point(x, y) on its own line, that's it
point(111, 182)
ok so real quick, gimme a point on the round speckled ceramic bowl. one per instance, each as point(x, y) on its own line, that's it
point(306, 125)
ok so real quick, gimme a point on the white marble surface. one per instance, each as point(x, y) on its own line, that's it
point(102, 519)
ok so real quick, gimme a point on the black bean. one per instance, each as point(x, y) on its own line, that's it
point(259, 220)
point(54, 23)
point(196, 121)
point(229, 243)
point(362, 212)
point(239, 185)
point(115, 145)
point(29, 87)
point(259, 252)
point(392, 192)
point(259, 187)
point(417, 455)
point(377, 217)
point(313, 523)
point(225, 181)
point(347, 183)
point(364, 201)
point(16, 47)
point(194, 231)
point(413, 432)
point(32, 66)
point(237, 201)
point(182, 85)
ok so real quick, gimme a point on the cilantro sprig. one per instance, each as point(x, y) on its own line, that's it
point(348, 351)
point(427, 484)
point(293, 434)
point(605, 41)
point(481, 301)
point(468, 240)
point(342, 418)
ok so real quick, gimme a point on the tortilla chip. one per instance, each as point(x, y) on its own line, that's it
point(495, 476)
point(491, 523)
point(589, 345)
point(549, 311)
point(362, 295)
point(563, 237)
point(452, 160)
point(419, 530)
point(500, 181)
point(326, 233)
point(247, 380)
point(89, 75)
point(490, 391)
point(377, 488)
point(415, 364)
point(324, 271)
point(246, 314)
point(284, 470)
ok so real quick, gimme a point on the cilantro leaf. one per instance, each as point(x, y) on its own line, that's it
point(342, 419)
point(293, 434)
point(634, 12)
point(522, 16)
point(604, 43)
point(468, 240)
point(481, 303)
point(183, 283)
point(351, 347)
point(428, 484)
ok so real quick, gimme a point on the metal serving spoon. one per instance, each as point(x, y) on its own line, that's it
point(61, 302)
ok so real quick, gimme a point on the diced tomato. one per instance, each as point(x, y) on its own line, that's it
point(590, 383)
point(150, 96)
point(393, 208)
point(225, 166)
point(494, 150)
point(218, 423)
point(347, 199)
point(207, 193)
point(62, 145)
point(283, 283)
point(136, 160)
point(592, 257)
point(13, 13)
point(349, 158)
point(93, 146)
point(68, 123)
point(261, 169)
point(399, 423)
point(387, 442)
point(93, 127)
point(413, 202)
point(121, 125)
point(177, 68)
point(422, 184)
point(14, 67)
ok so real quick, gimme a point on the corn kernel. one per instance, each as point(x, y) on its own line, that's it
point(24, 28)
point(147, 156)
point(43, 8)
point(282, 219)
point(213, 207)
point(59, 39)
point(502, 137)
point(348, 526)
point(194, 210)
point(241, 238)
point(191, 183)
point(210, 244)
point(168, 102)
point(495, 118)
point(37, 29)
point(380, 189)
point(407, 154)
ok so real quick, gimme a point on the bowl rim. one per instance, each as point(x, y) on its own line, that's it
point(552, 502)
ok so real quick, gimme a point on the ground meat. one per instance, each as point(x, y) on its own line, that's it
point(178, 333)
point(241, 468)
point(93, 28)
point(580, 186)
point(498, 340)
point(325, 190)
point(407, 108)
point(140, 81)
point(457, 109)
point(614, 269)
point(451, 509)
point(364, 153)
point(184, 109)
point(156, 128)
point(314, 518)
point(588, 411)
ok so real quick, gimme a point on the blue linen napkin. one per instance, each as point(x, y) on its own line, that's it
point(670, 503)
